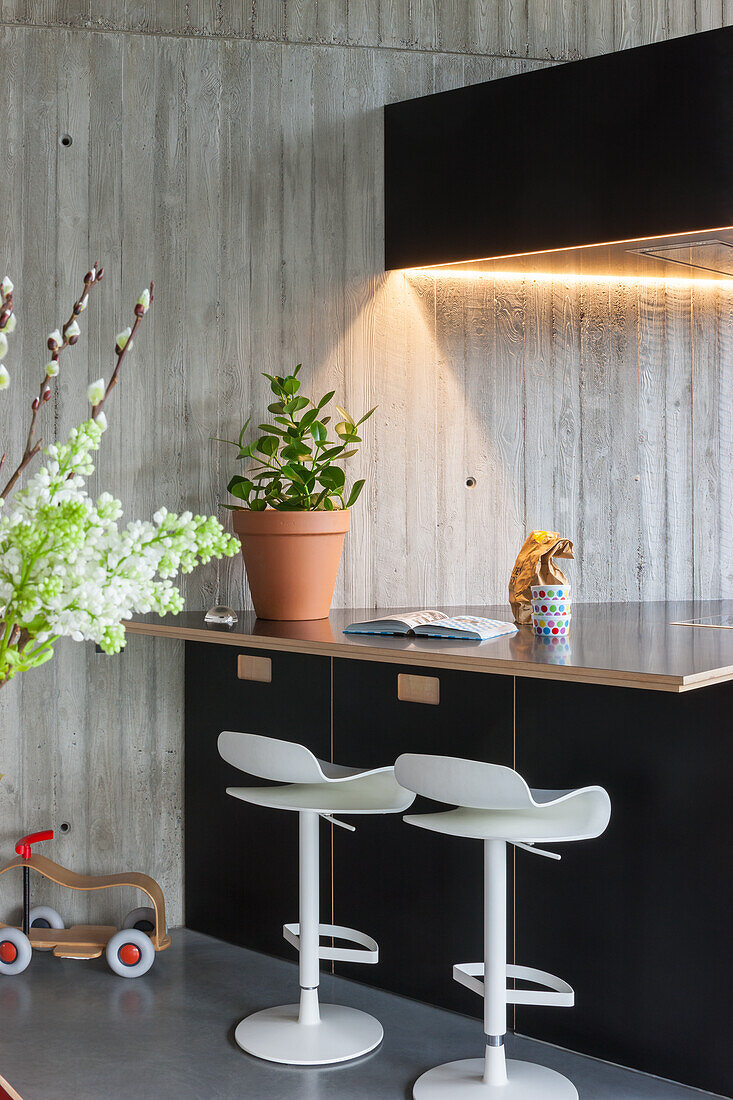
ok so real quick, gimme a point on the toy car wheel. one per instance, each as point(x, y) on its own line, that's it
point(43, 916)
point(143, 919)
point(130, 953)
point(15, 951)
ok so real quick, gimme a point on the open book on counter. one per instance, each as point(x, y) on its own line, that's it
point(435, 624)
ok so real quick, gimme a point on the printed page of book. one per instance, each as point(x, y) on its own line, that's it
point(468, 626)
point(402, 623)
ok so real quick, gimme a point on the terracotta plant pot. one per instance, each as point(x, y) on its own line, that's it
point(292, 559)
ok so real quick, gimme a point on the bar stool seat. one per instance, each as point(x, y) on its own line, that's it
point(360, 792)
point(495, 805)
point(549, 817)
point(309, 1033)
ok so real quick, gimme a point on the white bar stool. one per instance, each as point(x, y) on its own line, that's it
point(495, 805)
point(309, 1034)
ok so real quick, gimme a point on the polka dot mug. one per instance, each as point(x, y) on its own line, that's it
point(551, 626)
point(551, 599)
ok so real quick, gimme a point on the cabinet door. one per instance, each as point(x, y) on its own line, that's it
point(418, 893)
point(242, 860)
point(638, 920)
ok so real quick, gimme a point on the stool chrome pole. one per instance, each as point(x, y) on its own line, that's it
point(494, 961)
point(308, 894)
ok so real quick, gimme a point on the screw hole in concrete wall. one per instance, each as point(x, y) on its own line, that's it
point(470, 482)
point(65, 140)
point(65, 827)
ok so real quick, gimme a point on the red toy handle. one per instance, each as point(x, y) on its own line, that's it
point(23, 847)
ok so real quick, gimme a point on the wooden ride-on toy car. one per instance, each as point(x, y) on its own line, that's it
point(130, 951)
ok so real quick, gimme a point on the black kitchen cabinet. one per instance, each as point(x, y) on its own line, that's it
point(419, 894)
point(241, 861)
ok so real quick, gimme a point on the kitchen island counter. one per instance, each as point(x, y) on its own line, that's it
point(638, 645)
point(636, 921)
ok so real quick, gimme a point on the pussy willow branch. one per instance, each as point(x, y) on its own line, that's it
point(122, 352)
point(33, 446)
point(6, 308)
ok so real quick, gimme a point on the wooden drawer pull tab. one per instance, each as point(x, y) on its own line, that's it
point(418, 689)
point(254, 668)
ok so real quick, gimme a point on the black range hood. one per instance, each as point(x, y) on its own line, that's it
point(616, 165)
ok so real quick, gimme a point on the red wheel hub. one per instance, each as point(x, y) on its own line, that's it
point(129, 954)
point(8, 951)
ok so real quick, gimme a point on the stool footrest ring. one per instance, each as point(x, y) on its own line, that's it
point(366, 952)
point(555, 992)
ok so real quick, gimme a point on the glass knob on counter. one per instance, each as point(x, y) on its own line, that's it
point(221, 616)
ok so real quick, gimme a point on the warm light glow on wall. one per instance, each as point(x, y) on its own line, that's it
point(560, 277)
point(454, 269)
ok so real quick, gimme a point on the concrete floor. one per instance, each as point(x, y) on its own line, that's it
point(74, 1031)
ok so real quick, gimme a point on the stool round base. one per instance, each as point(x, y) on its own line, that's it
point(526, 1081)
point(275, 1035)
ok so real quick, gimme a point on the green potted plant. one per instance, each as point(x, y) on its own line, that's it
point(293, 505)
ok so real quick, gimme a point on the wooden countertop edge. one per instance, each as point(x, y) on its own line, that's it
point(608, 677)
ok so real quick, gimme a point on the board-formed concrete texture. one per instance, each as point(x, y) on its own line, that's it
point(233, 152)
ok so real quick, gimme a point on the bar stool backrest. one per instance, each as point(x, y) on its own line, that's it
point(472, 783)
point(270, 758)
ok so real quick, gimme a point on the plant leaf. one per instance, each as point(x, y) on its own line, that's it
point(267, 445)
point(367, 415)
point(327, 456)
point(356, 489)
point(332, 477)
point(240, 488)
point(296, 451)
point(325, 399)
point(272, 430)
point(347, 416)
point(346, 430)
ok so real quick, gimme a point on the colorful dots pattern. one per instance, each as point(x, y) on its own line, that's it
point(551, 607)
point(551, 626)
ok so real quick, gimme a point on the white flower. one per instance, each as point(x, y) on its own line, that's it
point(72, 330)
point(144, 300)
point(122, 337)
point(3, 345)
point(52, 368)
point(10, 324)
point(95, 392)
point(89, 576)
point(4, 377)
point(55, 337)
point(83, 303)
point(7, 286)
point(102, 421)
